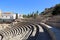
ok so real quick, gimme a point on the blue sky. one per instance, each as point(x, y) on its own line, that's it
point(26, 6)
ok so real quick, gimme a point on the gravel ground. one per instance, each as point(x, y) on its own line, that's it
point(3, 26)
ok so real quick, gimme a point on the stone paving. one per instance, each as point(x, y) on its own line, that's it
point(55, 31)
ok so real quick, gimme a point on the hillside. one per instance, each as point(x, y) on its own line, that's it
point(51, 16)
point(55, 10)
point(47, 11)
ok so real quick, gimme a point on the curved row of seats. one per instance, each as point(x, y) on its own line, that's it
point(25, 31)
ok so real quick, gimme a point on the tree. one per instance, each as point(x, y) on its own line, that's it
point(16, 15)
point(36, 14)
point(24, 16)
point(28, 15)
point(32, 15)
point(56, 10)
